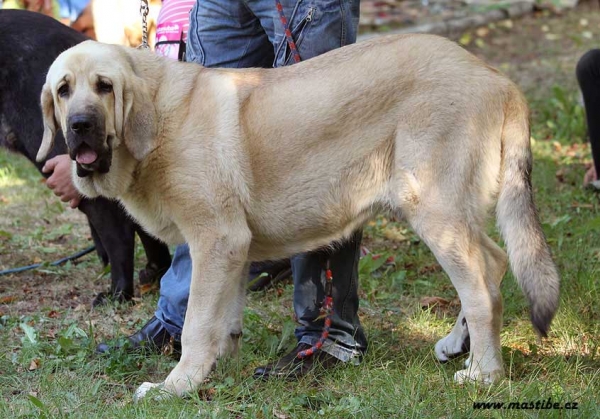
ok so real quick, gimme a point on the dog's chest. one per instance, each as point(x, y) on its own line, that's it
point(153, 217)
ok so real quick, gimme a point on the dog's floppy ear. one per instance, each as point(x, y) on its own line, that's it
point(135, 117)
point(50, 123)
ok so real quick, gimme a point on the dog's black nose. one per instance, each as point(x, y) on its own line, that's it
point(81, 124)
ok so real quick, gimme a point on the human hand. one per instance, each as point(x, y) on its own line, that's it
point(60, 181)
point(41, 6)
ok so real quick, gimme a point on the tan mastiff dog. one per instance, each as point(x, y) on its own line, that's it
point(258, 164)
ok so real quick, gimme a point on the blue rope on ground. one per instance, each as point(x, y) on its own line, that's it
point(55, 263)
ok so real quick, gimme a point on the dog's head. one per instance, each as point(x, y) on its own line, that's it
point(103, 107)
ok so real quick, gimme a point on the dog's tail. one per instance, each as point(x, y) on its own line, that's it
point(528, 251)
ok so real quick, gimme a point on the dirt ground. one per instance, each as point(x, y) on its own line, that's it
point(537, 52)
point(540, 50)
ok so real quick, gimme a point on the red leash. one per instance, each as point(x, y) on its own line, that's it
point(327, 308)
point(288, 33)
point(327, 311)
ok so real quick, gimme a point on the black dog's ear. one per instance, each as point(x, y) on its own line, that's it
point(50, 123)
point(135, 116)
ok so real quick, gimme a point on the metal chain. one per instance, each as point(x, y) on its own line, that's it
point(144, 9)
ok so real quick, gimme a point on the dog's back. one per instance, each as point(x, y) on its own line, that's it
point(29, 43)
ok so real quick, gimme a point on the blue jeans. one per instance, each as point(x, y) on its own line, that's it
point(71, 9)
point(246, 33)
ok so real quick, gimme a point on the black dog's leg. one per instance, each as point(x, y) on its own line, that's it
point(99, 246)
point(158, 255)
point(116, 231)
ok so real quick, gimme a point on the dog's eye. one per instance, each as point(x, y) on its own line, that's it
point(63, 91)
point(104, 87)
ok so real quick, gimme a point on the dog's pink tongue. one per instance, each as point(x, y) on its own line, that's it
point(86, 156)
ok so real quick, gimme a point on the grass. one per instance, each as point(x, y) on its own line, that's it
point(48, 330)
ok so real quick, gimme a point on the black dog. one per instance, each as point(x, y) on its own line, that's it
point(29, 43)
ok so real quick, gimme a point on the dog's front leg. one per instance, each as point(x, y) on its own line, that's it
point(213, 321)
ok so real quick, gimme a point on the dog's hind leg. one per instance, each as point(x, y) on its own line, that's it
point(461, 250)
point(457, 342)
point(235, 316)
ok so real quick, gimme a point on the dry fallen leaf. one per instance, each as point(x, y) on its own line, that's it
point(394, 234)
point(580, 205)
point(465, 39)
point(428, 269)
point(208, 394)
point(147, 288)
point(8, 299)
point(427, 302)
point(482, 32)
point(35, 364)
point(279, 415)
point(54, 314)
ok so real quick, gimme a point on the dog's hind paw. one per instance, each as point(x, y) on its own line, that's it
point(449, 347)
point(478, 376)
point(159, 393)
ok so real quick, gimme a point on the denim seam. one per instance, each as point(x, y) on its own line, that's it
point(245, 52)
point(197, 38)
point(343, 29)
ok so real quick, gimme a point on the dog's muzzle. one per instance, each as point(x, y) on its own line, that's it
point(88, 144)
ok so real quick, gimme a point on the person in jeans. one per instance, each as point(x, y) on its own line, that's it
point(244, 33)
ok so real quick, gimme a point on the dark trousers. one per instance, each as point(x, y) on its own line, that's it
point(588, 76)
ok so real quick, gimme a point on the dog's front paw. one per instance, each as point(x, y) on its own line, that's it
point(159, 393)
point(478, 376)
point(103, 298)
